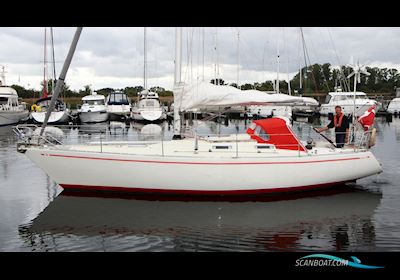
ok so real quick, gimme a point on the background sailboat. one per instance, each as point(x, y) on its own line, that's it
point(148, 107)
point(61, 113)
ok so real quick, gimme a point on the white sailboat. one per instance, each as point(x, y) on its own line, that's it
point(257, 162)
point(11, 111)
point(93, 109)
point(60, 113)
point(148, 107)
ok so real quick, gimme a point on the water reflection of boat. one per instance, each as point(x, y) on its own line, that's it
point(94, 128)
point(117, 127)
point(6, 131)
point(96, 216)
point(55, 133)
point(150, 131)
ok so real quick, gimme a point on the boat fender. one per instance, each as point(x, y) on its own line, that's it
point(372, 139)
point(36, 108)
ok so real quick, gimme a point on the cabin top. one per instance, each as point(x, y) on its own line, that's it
point(347, 93)
point(93, 97)
point(7, 91)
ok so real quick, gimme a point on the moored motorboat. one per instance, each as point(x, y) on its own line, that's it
point(394, 106)
point(346, 100)
point(93, 109)
point(118, 106)
point(11, 111)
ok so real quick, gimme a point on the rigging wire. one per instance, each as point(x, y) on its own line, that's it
point(306, 56)
point(343, 76)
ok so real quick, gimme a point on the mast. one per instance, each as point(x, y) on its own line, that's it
point(54, 60)
point(203, 52)
point(145, 59)
point(60, 81)
point(216, 48)
point(300, 72)
point(238, 57)
point(287, 59)
point(216, 58)
point(177, 81)
point(277, 73)
point(3, 76)
point(178, 56)
point(45, 86)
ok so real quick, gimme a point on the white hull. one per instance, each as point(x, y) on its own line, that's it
point(117, 112)
point(347, 108)
point(201, 174)
point(306, 110)
point(93, 117)
point(55, 117)
point(12, 117)
point(268, 111)
point(394, 106)
point(148, 115)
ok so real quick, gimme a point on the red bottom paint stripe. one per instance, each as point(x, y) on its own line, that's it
point(197, 192)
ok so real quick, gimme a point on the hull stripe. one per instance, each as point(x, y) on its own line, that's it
point(202, 163)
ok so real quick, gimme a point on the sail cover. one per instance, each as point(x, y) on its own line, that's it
point(202, 95)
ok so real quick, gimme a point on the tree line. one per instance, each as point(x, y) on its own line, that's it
point(314, 79)
point(320, 79)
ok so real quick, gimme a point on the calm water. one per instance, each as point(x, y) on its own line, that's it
point(35, 215)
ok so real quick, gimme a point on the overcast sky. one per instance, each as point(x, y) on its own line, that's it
point(113, 57)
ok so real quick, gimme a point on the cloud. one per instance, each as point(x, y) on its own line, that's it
point(113, 56)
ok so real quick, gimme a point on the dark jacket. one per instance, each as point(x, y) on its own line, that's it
point(345, 124)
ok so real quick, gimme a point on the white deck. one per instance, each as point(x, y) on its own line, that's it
point(244, 148)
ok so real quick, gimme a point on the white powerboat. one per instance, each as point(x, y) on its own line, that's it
point(148, 108)
point(346, 101)
point(59, 115)
point(11, 111)
point(394, 106)
point(93, 109)
point(118, 106)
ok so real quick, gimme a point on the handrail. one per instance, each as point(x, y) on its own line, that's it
point(106, 139)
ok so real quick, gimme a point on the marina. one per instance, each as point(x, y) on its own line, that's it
point(219, 167)
point(39, 215)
